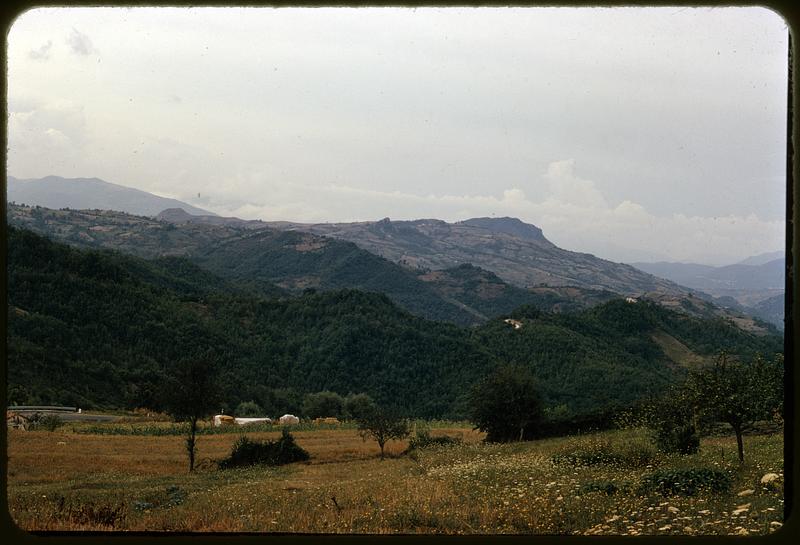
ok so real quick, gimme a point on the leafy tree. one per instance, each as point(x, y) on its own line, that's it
point(382, 424)
point(248, 408)
point(322, 404)
point(358, 405)
point(671, 420)
point(737, 393)
point(191, 393)
point(506, 403)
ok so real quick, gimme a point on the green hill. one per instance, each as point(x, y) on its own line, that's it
point(100, 329)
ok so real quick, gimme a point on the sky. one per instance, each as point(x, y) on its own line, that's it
point(635, 134)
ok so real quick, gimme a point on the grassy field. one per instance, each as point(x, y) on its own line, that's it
point(74, 480)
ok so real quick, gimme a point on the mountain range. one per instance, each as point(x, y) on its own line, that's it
point(292, 261)
point(464, 272)
point(100, 328)
point(754, 286)
point(88, 194)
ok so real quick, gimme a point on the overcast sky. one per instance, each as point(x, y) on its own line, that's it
point(632, 134)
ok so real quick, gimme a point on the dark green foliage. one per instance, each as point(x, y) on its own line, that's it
point(191, 392)
point(686, 481)
point(571, 423)
point(249, 409)
point(382, 424)
point(102, 330)
point(44, 422)
point(323, 404)
point(357, 406)
point(247, 452)
point(506, 403)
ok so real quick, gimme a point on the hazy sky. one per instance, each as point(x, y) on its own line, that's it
point(632, 134)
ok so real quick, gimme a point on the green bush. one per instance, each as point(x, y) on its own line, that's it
point(247, 452)
point(46, 422)
point(633, 453)
point(423, 439)
point(686, 482)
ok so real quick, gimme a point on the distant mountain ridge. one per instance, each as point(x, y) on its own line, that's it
point(515, 251)
point(761, 259)
point(91, 193)
point(754, 285)
point(294, 260)
point(768, 275)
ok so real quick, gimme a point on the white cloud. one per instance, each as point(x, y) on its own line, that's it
point(42, 53)
point(80, 44)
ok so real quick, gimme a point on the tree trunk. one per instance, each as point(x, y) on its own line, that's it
point(739, 443)
point(521, 432)
point(381, 444)
point(190, 443)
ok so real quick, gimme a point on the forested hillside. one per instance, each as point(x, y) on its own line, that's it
point(101, 329)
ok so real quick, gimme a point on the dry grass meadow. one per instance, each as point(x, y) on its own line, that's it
point(65, 480)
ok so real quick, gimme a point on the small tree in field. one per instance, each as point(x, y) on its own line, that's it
point(506, 403)
point(738, 394)
point(382, 424)
point(191, 393)
point(671, 421)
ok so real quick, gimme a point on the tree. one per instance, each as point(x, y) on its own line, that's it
point(357, 405)
point(249, 408)
point(322, 404)
point(738, 394)
point(191, 393)
point(506, 403)
point(382, 424)
point(671, 420)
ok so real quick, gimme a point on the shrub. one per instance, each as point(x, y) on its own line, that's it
point(588, 455)
point(686, 481)
point(46, 422)
point(629, 453)
point(423, 439)
point(247, 452)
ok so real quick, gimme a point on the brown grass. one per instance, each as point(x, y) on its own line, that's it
point(135, 483)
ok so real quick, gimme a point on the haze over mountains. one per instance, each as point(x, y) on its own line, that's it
point(755, 285)
point(90, 193)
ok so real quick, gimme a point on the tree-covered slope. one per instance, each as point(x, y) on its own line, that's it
point(614, 352)
point(98, 328)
